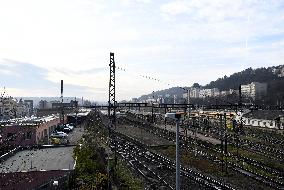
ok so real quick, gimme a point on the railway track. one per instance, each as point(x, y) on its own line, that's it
point(159, 171)
point(235, 166)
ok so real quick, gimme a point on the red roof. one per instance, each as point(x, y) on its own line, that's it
point(28, 180)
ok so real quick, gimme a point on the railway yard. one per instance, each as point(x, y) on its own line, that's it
point(252, 159)
point(211, 156)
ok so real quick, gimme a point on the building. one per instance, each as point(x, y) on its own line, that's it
point(273, 119)
point(43, 104)
point(194, 92)
point(184, 95)
point(281, 72)
point(29, 131)
point(209, 92)
point(215, 92)
point(255, 90)
point(71, 104)
point(11, 108)
point(30, 106)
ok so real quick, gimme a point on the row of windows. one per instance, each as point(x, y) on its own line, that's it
point(13, 136)
point(259, 122)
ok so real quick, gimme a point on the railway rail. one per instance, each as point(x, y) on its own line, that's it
point(160, 171)
point(257, 176)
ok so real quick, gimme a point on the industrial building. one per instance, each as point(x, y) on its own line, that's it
point(273, 119)
point(28, 131)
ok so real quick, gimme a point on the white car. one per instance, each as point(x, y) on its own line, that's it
point(59, 134)
point(71, 127)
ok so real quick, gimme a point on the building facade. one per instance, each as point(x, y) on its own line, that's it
point(29, 132)
point(194, 92)
point(272, 119)
point(255, 90)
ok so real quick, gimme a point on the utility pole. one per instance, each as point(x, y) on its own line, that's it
point(222, 140)
point(152, 115)
point(177, 155)
point(76, 111)
point(176, 117)
point(226, 147)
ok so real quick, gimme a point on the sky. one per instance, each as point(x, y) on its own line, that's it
point(177, 42)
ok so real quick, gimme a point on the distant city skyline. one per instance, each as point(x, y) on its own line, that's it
point(178, 42)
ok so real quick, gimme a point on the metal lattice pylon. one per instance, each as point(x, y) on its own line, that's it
point(111, 114)
point(111, 98)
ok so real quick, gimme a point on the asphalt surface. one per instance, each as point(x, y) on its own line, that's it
point(43, 159)
point(51, 158)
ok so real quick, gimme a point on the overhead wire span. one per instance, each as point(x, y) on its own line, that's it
point(144, 76)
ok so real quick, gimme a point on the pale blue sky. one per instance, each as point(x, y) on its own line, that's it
point(178, 42)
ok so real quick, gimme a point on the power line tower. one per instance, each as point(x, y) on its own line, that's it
point(111, 95)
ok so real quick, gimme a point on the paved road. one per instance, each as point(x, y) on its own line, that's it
point(76, 135)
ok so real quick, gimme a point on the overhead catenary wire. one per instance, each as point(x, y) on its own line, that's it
point(119, 68)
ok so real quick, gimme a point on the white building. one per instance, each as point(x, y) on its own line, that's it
point(254, 90)
point(10, 108)
point(215, 92)
point(273, 119)
point(210, 92)
point(194, 92)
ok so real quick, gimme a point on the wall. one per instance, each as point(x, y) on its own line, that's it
point(44, 130)
point(24, 135)
point(260, 123)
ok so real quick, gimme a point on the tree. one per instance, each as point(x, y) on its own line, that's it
point(196, 85)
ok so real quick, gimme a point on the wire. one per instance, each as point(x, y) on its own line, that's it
point(144, 76)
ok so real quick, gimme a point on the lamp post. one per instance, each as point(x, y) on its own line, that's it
point(176, 117)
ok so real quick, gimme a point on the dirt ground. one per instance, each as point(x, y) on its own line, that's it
point(142, 135)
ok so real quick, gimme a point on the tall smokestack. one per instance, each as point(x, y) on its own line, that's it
point(62, 109)
point(61, 88)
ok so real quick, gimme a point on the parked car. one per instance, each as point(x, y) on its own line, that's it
point(58, 134)
point(66, 129)
point(59, 140)
point(70, 126)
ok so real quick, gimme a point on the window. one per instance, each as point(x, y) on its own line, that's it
point(29, 135)
point(11, 136)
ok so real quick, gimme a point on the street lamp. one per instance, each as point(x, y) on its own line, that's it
point(176, 117)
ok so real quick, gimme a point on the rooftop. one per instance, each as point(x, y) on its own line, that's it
point(30, 120)
point(264, 114)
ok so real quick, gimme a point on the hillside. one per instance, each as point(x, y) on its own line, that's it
point(268, 75)
point(244, 77)
point(163, 93)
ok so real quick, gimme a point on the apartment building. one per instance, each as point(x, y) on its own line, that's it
point(254, 90)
